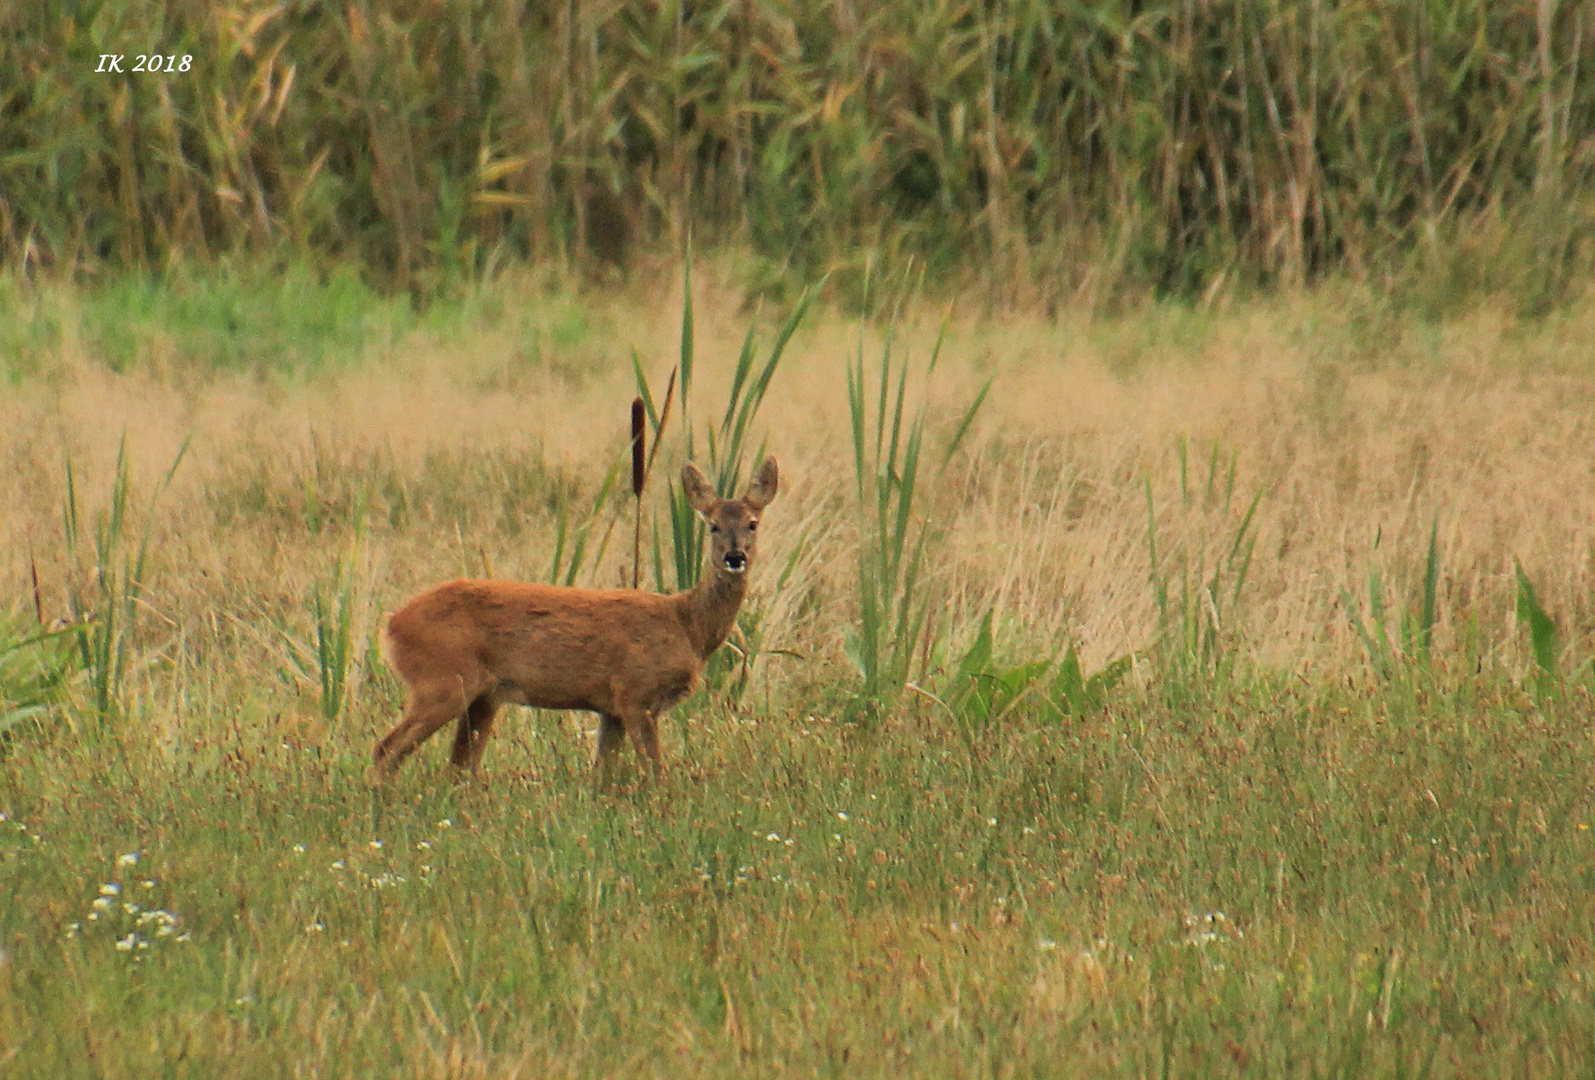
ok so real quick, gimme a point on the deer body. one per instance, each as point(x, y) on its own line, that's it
point(464, 648)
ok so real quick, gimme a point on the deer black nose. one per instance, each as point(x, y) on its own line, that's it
point(736, 561)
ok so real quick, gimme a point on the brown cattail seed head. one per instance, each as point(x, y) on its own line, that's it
point(638, 437)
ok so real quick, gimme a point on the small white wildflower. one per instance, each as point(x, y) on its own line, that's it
point(375, 845)
point(1046, 944)
point(991, 821)
point(131, 909)
point(163, 931)
point(94, 916)
point(1029, 830)
point(1209, 927)
point(110, 888)
point(74, 929)
point(338, 865)
point(5, 817)
point(837, 837)
point(130, 859)
point(843, 815)
point(789, 841)
point(423, 845)
point(446, 823)
point(149, 883)
point(299, 849)
point(774, 838)
point(103, 903)
point(184, 936)
point(316, 927)
point(126, 944)
point(143, 944)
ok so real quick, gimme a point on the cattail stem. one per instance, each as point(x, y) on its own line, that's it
point(639, 436)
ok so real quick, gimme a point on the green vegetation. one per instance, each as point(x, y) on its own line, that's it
point(1060, 150)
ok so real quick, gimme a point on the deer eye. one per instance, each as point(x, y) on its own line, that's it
point(714, 528)
point(753, 526)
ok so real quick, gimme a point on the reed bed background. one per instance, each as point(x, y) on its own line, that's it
point(1053, 153)
point(1242, 728)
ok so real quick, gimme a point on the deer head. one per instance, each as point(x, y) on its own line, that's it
point(733, 523)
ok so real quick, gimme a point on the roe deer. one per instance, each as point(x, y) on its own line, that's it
point(463, 648)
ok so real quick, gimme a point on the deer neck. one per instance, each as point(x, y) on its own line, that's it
point(710, 609)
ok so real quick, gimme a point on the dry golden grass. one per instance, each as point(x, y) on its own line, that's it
point(1358, 429)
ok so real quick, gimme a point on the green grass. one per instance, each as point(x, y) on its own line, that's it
point(273, 319)
point(1401, 889)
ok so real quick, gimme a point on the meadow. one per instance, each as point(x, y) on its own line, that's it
point(1217, 705)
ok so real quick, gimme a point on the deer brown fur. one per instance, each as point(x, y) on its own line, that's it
point(464, 648)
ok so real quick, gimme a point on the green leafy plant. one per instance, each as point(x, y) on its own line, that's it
point(105, 614)
point(1410, 648)
point(1075, 694)
point(893, 539)
point(328, 658)
point(1542, 632)
point(1197, 600)
point(981, 692)
point(35, 668)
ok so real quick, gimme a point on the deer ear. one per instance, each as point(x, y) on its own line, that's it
point(764, 486)
point(700, 493)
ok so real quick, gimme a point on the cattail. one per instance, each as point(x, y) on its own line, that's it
point(639, 436)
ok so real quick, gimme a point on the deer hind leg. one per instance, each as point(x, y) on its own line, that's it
point(470, 738)
point(426, 712)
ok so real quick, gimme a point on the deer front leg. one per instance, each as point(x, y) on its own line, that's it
point(611, 735)
point(471, 737)
point(643, 728)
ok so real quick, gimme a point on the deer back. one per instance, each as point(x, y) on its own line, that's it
point(546, 646)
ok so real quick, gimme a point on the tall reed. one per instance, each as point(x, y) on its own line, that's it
point(724, 448)
point(893, 604)
point(1067, 147)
